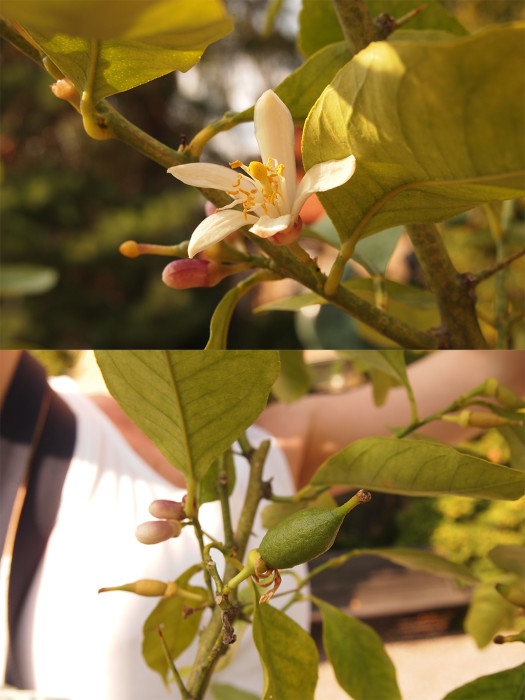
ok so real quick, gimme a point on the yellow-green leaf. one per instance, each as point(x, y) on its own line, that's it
point(361, 665)
point(506, 685)
point(437, 126)
point(288, 655)
point(419, 468)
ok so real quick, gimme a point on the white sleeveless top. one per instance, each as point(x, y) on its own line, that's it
point(76, 644)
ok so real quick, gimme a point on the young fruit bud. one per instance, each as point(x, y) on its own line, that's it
point(156, 531)
point(167, 510)
point(305, 535)
point(145, 586)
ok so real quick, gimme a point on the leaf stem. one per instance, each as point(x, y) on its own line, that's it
point(356, 22)
point(456, 307)
point(222, 490)
point(182, 688)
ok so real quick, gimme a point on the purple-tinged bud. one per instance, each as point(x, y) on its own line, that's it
point(290, 234)
point(186, 274)
point(156, 531)
point(168, 510)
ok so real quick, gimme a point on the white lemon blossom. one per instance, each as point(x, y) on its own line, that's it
point(268, 192)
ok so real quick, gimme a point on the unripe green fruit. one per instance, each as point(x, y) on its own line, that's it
point(305, 535)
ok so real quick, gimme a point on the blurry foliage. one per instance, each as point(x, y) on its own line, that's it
point(462, 529)
point(57, 362)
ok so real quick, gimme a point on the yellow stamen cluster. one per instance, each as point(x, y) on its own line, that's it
point(267, 175)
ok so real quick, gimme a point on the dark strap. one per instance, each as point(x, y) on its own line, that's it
point(46, 450)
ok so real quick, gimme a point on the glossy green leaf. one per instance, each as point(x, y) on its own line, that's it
point(295, 379)
point(419, 116)
point(509, 557)
point(27, 280)
point(192, 404)
point(361, 665)
point(207, 488)
point(288, 655)
point(488, 614)
point(178, 631)
point(300, 89)
point(507, 685)
point(319, 26)
point(184, 23)
point(163, 42)
point(418, 468)
point(421, 560)
point(223, 691)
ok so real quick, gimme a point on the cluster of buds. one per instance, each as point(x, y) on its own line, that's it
point(169, 514)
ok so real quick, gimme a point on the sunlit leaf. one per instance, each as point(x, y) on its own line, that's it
point(509, 557)
point(419, 116)
point(488, 614)
point(288, 655)
point(182, 23)
point(504, 684)
point(161, 37)
point(361, 665)
point(192, 404)
point(302, 87)
point(421, 560)
point(419, 468)
point(178, 630)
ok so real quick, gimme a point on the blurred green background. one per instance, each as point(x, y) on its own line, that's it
point(68, 201)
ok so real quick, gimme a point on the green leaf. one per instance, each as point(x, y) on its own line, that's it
point(361, 665)
point(507, 685)
point(421, 560)
point(301, 89)
point(419, 117)
point(294, 380)
point(169, 40)
point(184, 23)
point(223, 691)
point(177, 630)
point(207, 488)
point(288, 654)
point(318, 23)
point(25, 280)
point(418, 468)
point(222, 316)
point(509, 557)
point(488, 614)
point(192, 404)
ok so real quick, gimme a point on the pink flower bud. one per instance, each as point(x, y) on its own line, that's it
point(156, 531)
point(185, 274)
point(169, 510)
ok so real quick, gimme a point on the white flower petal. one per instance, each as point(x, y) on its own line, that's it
point(275, 135)
point(267, 226)
point(216, 227)
point(206, 175)
point(323, 177)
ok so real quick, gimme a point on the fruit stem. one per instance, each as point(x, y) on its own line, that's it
point(362, 496)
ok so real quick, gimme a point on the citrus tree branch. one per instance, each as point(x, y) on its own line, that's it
point(456, 305)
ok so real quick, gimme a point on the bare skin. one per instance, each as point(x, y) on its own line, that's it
point(317, 426)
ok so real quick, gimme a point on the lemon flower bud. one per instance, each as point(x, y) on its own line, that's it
point(156, 531)
point(185, 274)
point(168, 510)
